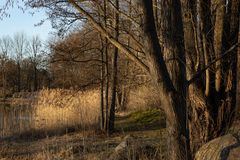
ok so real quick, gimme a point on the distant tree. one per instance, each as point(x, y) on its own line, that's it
point(5, 50)
point(19, 47)
point(75, 61)
point(34, 50)
point(21, 60)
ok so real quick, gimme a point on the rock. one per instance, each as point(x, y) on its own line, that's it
point(222, 148)
point(121, 151)
point(133, 148)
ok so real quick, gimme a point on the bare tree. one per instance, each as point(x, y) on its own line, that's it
point(5, 50)
point(34, 49)
point(114, 73)
point(19, 46)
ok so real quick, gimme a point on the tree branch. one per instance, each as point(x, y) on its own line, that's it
point(198, 74)
point(98, 27)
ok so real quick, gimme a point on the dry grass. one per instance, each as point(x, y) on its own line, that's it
point(56, 109)
point(144, 97)
point(66, 108)
point(52, 111)
point(78, 146)
point(60, 111)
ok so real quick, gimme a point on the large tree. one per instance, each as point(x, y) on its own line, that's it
point(191, 94)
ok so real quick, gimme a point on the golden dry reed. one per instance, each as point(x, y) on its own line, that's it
point(61, 110)
point(58, 108)
point(51, 110)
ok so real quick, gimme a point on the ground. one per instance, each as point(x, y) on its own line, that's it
point(147, 128)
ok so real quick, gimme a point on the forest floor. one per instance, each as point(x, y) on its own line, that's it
point(146, 127)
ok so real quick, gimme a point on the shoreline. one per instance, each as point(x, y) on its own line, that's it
point(15, 101)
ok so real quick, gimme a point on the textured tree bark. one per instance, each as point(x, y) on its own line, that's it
point(212, 103)
point(195, 97)
point(155, 11)
point(218, 36)
point(173, 101)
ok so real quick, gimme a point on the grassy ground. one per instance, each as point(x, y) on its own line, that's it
point(141, 120)
point(147, 128)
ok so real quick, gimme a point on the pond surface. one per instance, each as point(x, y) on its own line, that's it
point(15, 119)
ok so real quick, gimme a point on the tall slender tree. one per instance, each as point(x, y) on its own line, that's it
point(114, 73)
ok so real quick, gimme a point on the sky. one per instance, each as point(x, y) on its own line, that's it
point(25, 22)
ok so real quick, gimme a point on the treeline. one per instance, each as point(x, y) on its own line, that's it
point(22, 64)
point(74, 62)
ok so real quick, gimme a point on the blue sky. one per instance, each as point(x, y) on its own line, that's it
point(24, 22)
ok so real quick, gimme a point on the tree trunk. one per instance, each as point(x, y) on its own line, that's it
point(155, 11)
point(114, 74)
point(102, 119)
point(106, 89)
point(195, 97)
point(218, 37)
point(102, 78)
point(123, 91)
point(174, 103)
point(122, 98)
point(212, 98)
point(106, 72)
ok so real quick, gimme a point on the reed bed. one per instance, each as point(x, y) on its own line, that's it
point(58, 108)
point(52, 111)
point(143, 97)
point(60, 111)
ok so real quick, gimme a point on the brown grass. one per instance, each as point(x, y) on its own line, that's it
point(52, 111)
point(60, 111)
point(144, 97)
point(59, 108)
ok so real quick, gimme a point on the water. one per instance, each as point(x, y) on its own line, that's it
point(15, 119)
